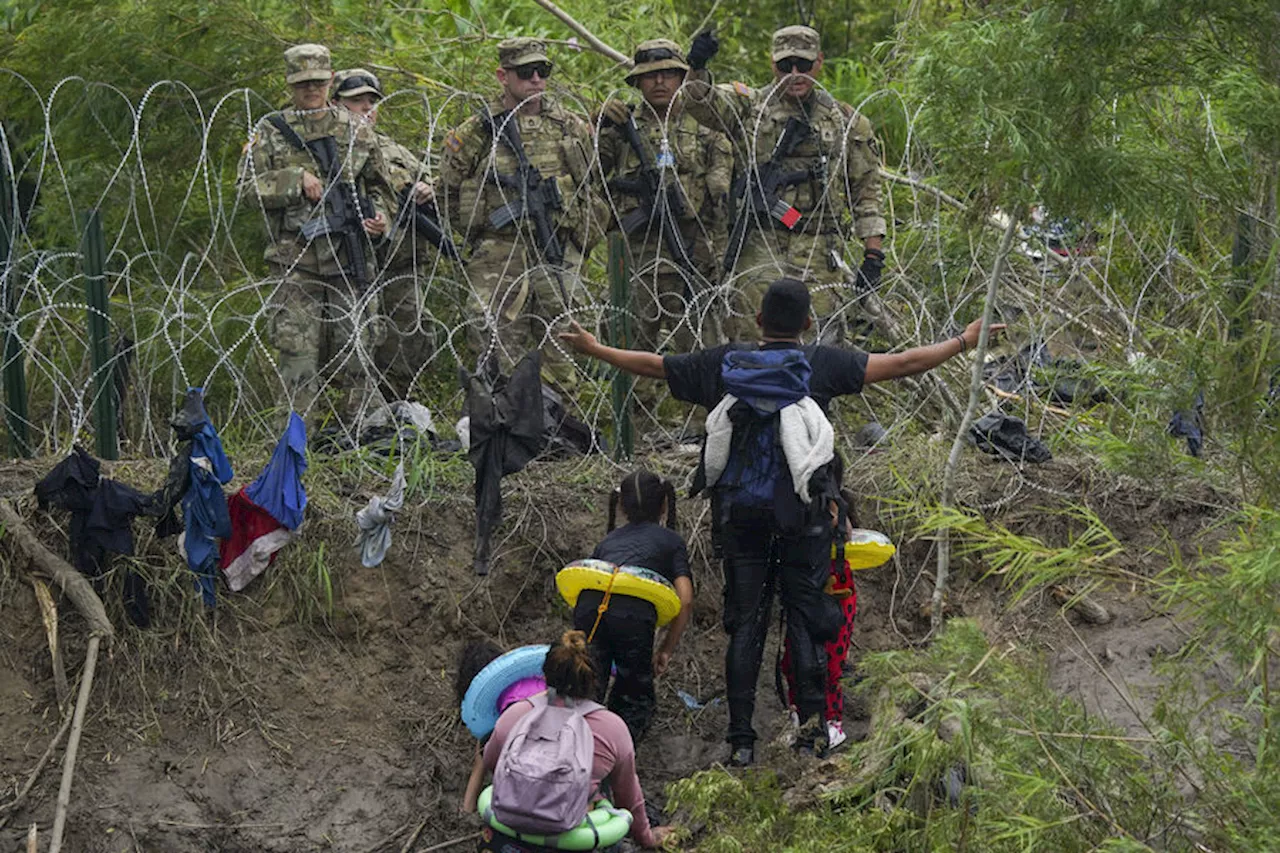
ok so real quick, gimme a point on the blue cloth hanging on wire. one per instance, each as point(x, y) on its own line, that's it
point(278, 489)
point(204, 506)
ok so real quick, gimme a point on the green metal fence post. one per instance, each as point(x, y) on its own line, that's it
point(94, 252)
point(620, 336)
point(15, 374)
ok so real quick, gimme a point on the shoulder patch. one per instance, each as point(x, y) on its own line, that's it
point(742, 89)
point(453, 142)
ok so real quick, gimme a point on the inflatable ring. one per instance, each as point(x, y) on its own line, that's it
point(480, 709)
point(866, 549)
point(603, 826)
point(644, 584)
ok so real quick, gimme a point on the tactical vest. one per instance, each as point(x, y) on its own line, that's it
point(690, 149)
point(823, 199)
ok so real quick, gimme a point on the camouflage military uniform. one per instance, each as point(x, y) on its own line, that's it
point(515, 298)
point(702, 161)
point(319, 326)
point(407, 262)
point(844, 188)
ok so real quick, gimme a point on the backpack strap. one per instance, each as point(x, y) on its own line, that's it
point(290, 135)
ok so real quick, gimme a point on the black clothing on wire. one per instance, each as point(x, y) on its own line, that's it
point(102, 513)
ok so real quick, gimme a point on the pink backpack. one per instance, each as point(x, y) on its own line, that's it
point(542, 783)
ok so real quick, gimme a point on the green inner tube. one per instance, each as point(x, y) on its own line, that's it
point(603, 826)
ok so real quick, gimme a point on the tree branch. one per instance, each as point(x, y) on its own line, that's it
point(596, 44)
point(975, 393)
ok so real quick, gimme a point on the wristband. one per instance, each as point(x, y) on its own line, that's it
point(964, 347)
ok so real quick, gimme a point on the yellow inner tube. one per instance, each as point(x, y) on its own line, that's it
point(866, 549)
point(641, 583)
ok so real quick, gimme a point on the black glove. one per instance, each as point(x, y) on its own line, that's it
point(705, 46)
point(613, 113)
point(871, 269)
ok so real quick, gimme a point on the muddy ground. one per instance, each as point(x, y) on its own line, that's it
point(283, 727)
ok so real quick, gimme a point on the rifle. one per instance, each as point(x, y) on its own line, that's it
point(757, 195)
point(346, 209)
point(425, 222)
point(656, 198)
point(537, 196)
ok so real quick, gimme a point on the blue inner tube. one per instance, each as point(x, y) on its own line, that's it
point(480, 706)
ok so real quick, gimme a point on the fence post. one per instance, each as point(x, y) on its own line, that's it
point(93, 250)
point(15, 374)
point(620, 336)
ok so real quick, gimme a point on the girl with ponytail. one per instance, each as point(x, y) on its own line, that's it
point(622, 637)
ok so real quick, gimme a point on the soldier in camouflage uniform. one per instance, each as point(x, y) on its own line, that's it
point(407, 344)
point(515, 294)
point(840, 194)
point(695, 164)
point(319, 326)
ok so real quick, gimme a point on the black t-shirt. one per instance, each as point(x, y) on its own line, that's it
point(645, 544)
point(695, 377)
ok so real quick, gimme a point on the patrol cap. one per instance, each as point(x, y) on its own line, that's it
point(801, 42)
point(514, 52)
point(304, 62)
point(785, 306)
point(350, 82)
point(656, 55)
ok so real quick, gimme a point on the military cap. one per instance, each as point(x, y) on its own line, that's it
point(304, 62)
point(800, 42)
point(350, 82)
point(514, 52)
point(656, 55)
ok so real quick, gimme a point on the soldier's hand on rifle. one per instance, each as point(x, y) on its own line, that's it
point(375, 227)
point(871, 270)
point(614, 112)
point(578, 338)
point(705, 46)
point(312, 188)
point(423, 193)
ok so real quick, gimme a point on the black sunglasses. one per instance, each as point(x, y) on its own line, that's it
point(356, 82)
point(794, 63)
point(655, 54)
point(526, 72)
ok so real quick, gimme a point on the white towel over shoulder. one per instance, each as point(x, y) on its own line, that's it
point(807, 438)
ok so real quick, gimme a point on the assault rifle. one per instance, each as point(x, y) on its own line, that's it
point(536, 196)
point(656, 198)
point(756, 194)
point(346, 210)
point(424, 220)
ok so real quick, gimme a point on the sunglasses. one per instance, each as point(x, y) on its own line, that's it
point(656, 54)
point(526, 72)
point(358, 81)
point(794, 63)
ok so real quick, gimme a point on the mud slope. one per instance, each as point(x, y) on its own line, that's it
point(286, 725)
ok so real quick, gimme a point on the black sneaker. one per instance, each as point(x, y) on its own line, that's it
point(742, 756)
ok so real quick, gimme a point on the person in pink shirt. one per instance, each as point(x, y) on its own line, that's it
point(569, 673)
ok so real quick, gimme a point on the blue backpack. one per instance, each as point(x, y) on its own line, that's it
point(765, 381)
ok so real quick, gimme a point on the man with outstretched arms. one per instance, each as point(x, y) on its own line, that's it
point(314, 171)
point(807, 178)
point(514, 180)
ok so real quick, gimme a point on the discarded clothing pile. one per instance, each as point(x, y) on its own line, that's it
point(1034, 369)
point(1006, 436)
point(398, 424)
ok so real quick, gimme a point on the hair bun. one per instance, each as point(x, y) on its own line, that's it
point(575, 640)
